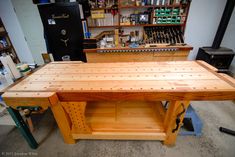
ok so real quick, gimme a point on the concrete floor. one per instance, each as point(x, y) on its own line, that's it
point(211, 144)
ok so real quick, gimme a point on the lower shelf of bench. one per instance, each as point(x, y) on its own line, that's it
point(124, 120)
point(121, 136)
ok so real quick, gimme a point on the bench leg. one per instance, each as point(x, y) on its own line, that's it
point(76, 113)
point(176, 110)
point(22, 126)
point(63, 122)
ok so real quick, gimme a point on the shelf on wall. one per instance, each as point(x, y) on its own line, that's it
point(150, 6)
point(5, 48)
point(137, 25)
point(181, 23)
point(146, 6)
point(109, 8)
point(3, 33)
point(173, 5)
point(146, 25)
point(9, 47)
point(104, 26)
point(170, 16)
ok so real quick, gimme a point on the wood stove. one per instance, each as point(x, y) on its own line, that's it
point(219, 57)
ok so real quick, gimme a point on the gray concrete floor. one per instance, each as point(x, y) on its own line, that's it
point(211, 144)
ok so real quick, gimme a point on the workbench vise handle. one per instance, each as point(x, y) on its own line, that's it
point(178, 119)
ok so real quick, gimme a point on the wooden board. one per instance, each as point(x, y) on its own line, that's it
point(94, 57)
point(140, 54)
point(137, 116)
point(75, 81)
point(121, 136)
point(178, 47)
point(42, 99)
point(124, 120)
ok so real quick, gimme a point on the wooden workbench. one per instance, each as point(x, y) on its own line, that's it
point(120, 100)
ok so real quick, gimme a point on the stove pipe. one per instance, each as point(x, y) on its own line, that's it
point(223, 24)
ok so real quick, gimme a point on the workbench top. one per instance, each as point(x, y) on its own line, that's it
point(192, 80)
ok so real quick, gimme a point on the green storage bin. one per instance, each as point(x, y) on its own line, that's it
point(164, 20)
point(169, 20)
point(178, 20)
point(159, 20)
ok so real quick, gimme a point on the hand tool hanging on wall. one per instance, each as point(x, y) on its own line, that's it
point(163, 35)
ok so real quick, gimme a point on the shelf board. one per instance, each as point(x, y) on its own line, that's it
point(137, 25)
point(3, 33)
point(150, 6)
point(146, 6)
point(135, 7)
point(103, 26)
point(101, 8)
point(178, 46)
point(169, 16)
point(125, 116)
point(121, 136)
point(5, 48)
point(145, 25)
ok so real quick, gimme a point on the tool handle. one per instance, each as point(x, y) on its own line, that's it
point(227, 131)
point(177, 125)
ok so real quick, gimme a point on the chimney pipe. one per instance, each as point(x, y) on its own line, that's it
point(223, 23)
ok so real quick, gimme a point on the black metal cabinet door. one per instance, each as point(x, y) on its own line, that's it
point(63, 30)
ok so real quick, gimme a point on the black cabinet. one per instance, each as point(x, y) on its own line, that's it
point(63, 30)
